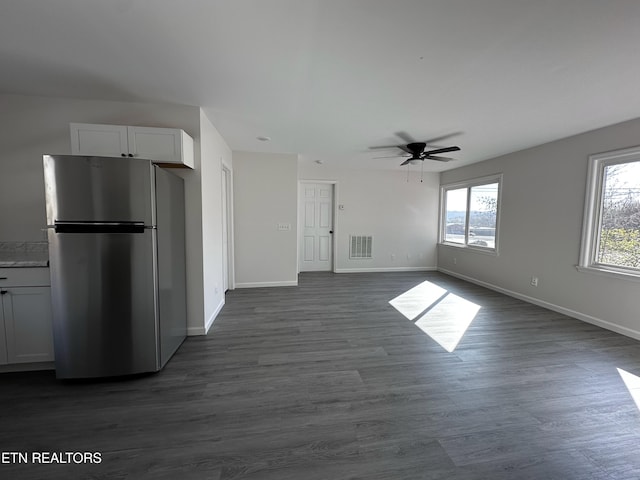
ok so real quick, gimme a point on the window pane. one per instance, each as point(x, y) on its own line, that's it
point(619, 235)
point(456, 215)
point(483, 215)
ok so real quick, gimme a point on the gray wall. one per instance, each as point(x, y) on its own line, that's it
point(402, 217)
point(543, 195)
point(265, 194)
point(400, 213)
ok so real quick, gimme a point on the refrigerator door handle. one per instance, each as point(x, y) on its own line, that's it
point(98, 227)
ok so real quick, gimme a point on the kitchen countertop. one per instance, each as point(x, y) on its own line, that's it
point(23, 264)
point(24, 254)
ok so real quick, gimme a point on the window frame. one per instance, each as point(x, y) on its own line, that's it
point(468, 185)
point(593, 209)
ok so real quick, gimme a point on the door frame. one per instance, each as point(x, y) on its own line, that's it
point(334, 240)
point(227, 179)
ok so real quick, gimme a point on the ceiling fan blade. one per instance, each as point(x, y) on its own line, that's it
point(443, 150)
point(389, 147)
point(385, 147)
point(393, 156)
point(442, 137)
point(439, 159)
point(405, 136)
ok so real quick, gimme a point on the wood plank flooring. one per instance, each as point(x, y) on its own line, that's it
point(327, 380)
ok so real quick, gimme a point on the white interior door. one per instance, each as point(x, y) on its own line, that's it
point(225, 230)
point(316, 233)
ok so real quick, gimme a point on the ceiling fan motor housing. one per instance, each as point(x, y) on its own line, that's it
point(416, 149)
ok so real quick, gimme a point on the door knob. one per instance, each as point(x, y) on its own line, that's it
point(331, 231)
point(2, 292)
point(123, 154)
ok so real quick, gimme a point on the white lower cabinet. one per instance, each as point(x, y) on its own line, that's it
point(3, 340)
point(26, 326)
point(26, 313)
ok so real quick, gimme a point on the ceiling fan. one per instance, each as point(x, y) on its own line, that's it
point(418, 150)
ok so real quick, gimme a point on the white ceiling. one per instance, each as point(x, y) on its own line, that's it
point(330, 78)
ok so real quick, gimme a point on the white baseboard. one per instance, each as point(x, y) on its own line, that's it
point(385, 269)
point(291, 283)
point(197, 331)
point(213, 316)
point(550, 306)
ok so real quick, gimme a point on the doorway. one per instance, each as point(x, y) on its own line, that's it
point(227, 253)
point(316, 226)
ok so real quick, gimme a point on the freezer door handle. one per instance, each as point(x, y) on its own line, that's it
point(99, 227)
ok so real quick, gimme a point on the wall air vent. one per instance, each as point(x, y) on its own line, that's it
point(360, 246)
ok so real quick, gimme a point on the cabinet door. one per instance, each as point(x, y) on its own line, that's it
point(157, 144)
point(28, 324)
point(99, 140)
point(162, 145)
point(3, 344)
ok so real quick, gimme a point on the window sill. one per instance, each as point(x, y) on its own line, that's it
point(607, 272)
point(482, 250)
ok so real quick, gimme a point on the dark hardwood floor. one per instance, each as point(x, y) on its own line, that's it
point(329, 381)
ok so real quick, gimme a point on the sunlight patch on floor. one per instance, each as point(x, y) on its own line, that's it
point(415, 301)
point(443, 316)
point(632, 383)
point(448, 321)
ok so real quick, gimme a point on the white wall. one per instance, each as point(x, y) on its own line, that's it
point(541, 221)
point(400, 214)
point(32, 126)
point(265, 194)
point(214, 153)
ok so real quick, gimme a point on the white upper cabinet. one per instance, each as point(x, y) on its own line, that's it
point(169, 146)
point(101, 140)
point(162, 145)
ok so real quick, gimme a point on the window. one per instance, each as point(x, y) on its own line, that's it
point(611, 230)
point(469, 215)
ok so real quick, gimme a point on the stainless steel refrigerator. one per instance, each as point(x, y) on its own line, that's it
point(117, 263)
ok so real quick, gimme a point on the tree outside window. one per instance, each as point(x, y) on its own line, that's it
point(470, 213)
point(611, 231)
point(619, 233)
